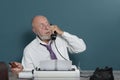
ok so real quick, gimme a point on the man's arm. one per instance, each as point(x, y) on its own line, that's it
point(75, 44)
point(26, 60)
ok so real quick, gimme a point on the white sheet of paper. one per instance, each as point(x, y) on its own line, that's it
point(55, 65)
point(25, 74)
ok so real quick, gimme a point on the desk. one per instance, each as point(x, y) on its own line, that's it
point(85, 73)
point(14, 77)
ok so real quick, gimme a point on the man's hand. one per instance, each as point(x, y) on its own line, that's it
point(16, 67)
point(57, 29)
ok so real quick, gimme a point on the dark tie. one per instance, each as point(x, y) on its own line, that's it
point(49, 48)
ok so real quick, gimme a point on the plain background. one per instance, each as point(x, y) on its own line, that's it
point(95, 21)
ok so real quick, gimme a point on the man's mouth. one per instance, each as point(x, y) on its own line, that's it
point(48, 33)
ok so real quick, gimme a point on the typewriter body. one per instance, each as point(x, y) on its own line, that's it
point(53, 69)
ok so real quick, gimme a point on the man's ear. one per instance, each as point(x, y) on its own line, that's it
point(33, 30)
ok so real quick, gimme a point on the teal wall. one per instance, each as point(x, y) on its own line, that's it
point(96, 21)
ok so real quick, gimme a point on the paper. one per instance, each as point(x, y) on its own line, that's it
point(25, 74)
point(55, 65)
point(64, 65)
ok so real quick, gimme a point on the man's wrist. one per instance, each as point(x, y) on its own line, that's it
point(61, 33)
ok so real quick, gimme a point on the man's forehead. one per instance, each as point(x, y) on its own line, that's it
point(39, 18)
point(42, 20)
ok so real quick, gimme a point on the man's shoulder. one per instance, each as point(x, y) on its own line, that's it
point(33, 43)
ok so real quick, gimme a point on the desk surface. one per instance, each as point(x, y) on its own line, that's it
point(116, 76)
point(14, 77)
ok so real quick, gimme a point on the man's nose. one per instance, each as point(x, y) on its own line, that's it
point(47, 27)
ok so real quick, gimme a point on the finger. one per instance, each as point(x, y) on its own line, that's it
point(17, 64)
point(16, 69)
point(20, 67)
point(52, 29)
point(13, 65)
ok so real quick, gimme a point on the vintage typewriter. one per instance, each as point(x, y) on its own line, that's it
point(53, 69)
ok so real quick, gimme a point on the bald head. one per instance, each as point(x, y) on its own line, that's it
point(39, 19)
point(41, 27)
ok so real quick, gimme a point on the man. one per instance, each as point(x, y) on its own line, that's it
point(37, 51)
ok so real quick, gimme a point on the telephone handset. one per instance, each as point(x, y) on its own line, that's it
point(53, 36)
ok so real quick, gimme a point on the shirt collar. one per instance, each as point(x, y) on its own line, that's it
point(40, 41)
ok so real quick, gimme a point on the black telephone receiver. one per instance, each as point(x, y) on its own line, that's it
point(53, 36)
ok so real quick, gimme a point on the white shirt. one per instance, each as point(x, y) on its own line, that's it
point(34, 52)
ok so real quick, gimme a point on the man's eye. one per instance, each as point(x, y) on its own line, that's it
point(41, 25)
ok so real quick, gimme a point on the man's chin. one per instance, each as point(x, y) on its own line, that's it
point(45, 38)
